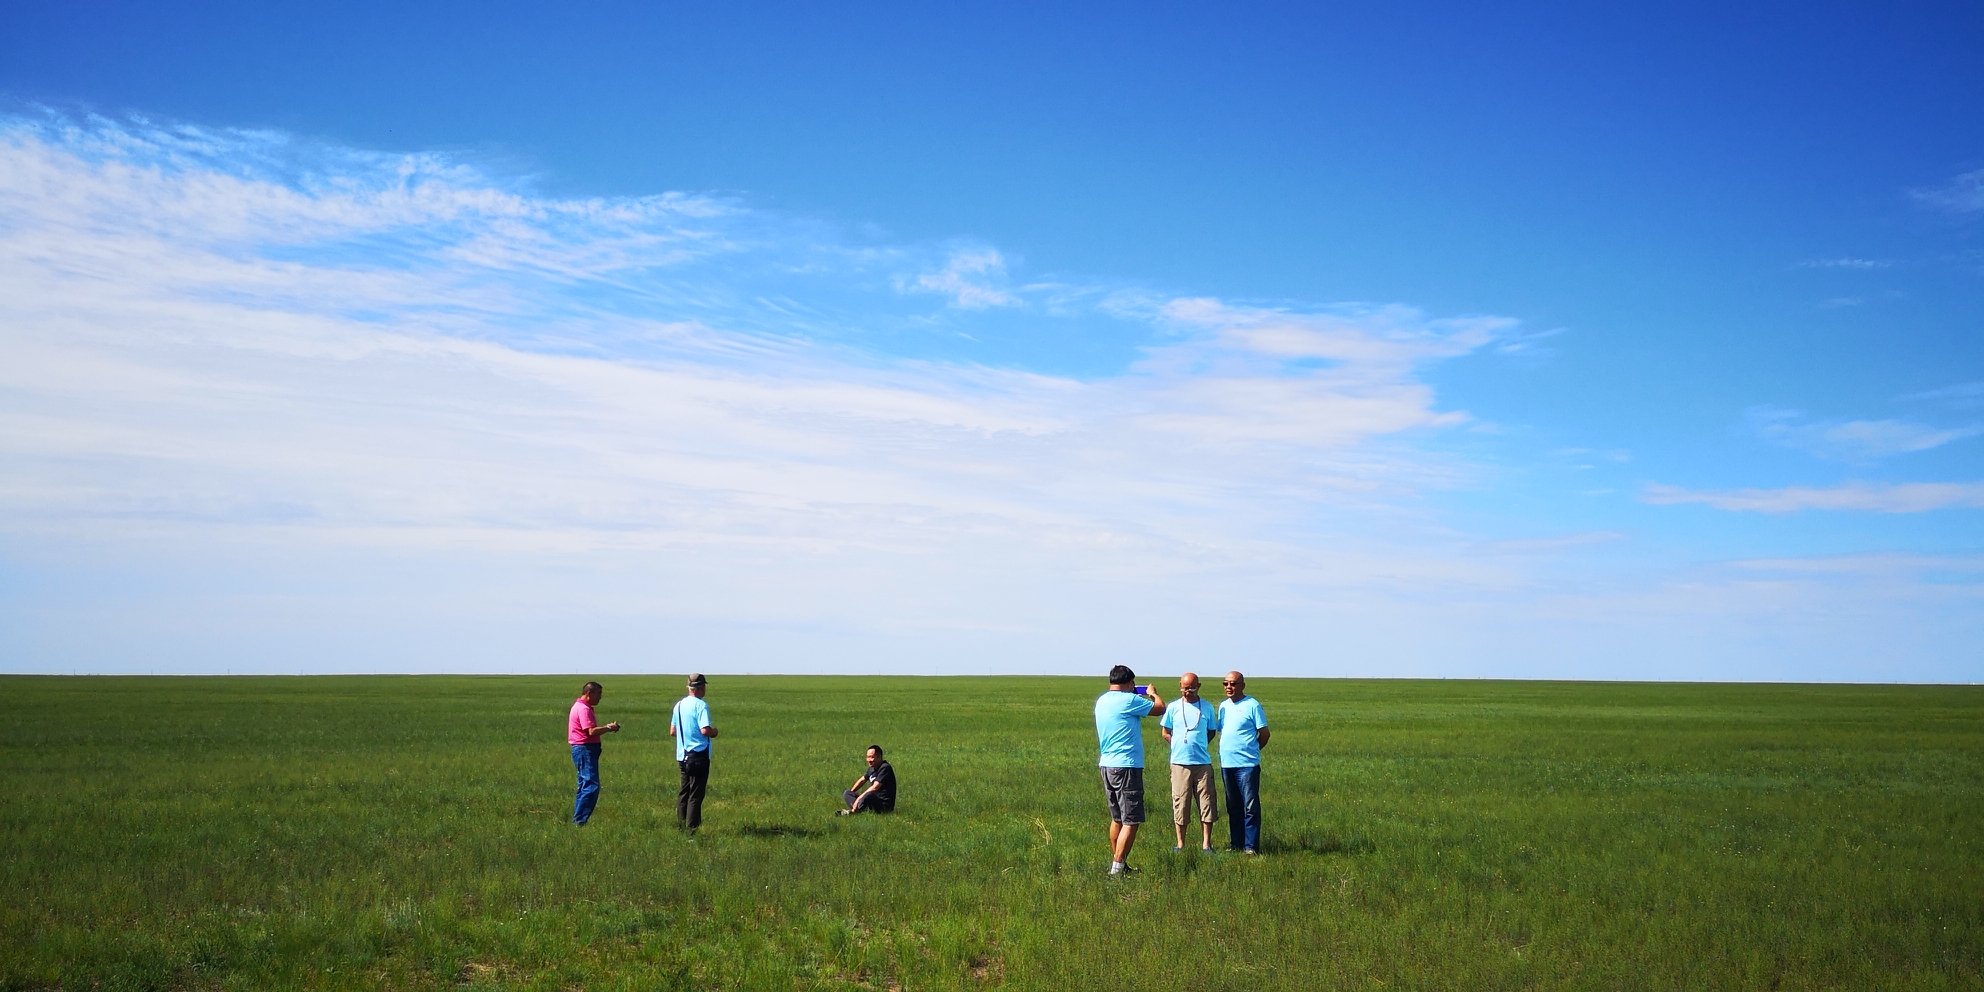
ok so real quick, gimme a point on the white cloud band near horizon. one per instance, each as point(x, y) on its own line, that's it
point(1854, 440)
point(215, 360)
point(1909, 497)
point(336, 403)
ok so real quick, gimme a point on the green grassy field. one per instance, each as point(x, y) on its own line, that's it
point(389, 832)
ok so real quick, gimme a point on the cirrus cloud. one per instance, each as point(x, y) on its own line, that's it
point(1907, 497)
point(1853, 440)
point(279, 403)
point(1962, 194)
point(404, 350)
point(970, 277)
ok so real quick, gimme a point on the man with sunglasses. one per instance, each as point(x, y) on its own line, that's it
point(1243, 731)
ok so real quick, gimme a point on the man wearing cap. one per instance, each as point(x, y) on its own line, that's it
point(1188, 725)
point(1121, 736)
point(583, 731)
point(691, 728)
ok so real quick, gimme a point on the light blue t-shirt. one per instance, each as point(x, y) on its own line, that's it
point(1189, 724)
point(1240, 726)
point(691, 716)
point(1116, 716)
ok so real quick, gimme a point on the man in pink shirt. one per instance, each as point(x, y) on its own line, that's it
point(583, 732)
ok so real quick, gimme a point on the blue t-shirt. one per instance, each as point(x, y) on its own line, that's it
point(691, 716)
point(1189, 724)
point(1116, 716)
point(1240, 726)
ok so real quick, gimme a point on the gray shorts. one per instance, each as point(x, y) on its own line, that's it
point(1124, 788)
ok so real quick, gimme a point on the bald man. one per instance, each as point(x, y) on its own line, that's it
point(1188, 727)
point(1243, 732)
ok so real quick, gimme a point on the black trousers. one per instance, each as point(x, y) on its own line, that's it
point(870, 803)
point(695, 781)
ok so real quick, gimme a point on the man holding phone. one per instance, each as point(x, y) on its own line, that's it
point(1121, 737)
point(582, 731)
point(690, 725)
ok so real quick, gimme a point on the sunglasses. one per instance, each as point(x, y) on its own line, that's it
point(1223, 682)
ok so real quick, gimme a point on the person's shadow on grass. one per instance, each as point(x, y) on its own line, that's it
point(781, 830)
point(1317, 842)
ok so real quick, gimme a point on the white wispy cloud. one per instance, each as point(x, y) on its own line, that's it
point(1963, 396)
point(1853, 440)
point(1874, 564)
point(401, 351)
point(1906, 497)
point(1527, 343)
point(1847, 262)
point(265, 400)
point(971, 277)
point(1963, 193)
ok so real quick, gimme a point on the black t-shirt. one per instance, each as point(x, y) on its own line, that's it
point(885, 797)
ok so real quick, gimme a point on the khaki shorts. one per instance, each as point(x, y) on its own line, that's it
point(1188, 782)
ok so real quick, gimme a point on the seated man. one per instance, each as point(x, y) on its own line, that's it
point(875, 790)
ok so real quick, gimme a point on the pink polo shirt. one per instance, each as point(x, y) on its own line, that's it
point(580, 722)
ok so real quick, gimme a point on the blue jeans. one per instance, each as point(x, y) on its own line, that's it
point(585, 757)
point(1243, 807)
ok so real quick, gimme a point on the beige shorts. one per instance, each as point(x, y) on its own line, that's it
point(1188, 781)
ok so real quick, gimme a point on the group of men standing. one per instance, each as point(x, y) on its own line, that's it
point(689, 724)
point(1189, 726)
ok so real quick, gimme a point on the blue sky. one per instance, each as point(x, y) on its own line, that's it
point(1525, 342)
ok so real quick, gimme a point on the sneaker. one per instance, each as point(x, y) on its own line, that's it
point(1175, 849)
point(1116, 869)
point(842, 812)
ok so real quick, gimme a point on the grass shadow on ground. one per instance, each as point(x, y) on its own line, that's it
point(781, 830)
point(1318, 842)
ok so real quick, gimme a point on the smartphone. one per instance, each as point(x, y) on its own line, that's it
point(1143, 690)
